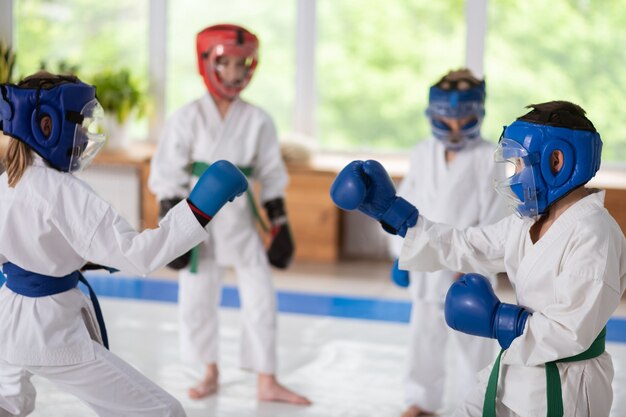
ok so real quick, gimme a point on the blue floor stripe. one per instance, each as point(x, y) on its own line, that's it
point(616, 330)
point(288, 301)
point(395, 311)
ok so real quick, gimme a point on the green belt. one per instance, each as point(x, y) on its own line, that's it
point(553, 379)
point(197, 170)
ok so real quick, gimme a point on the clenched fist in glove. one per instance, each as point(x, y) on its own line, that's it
point(219, 184)
point(472, 307)
point(281, 248)
point(366, 186)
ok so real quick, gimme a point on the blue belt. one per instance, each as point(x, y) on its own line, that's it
point(31, 284)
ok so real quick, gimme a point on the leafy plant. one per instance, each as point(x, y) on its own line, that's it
point(120, 94)
point(7, 62)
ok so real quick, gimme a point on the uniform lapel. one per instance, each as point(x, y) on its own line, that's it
point(543, 250)
point(215, 127)
point(231, 115)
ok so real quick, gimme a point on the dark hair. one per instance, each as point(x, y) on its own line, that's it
point(461, 79)
point(558, 114)
point(44, 80)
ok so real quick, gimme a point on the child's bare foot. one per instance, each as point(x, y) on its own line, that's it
point(208, 385)
point(269, 389)
point(415, 411)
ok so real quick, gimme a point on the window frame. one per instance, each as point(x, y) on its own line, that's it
point(6, 22)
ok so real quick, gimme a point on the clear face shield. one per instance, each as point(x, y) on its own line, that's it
point(88, 136)
point(230, 68)
point(456, 115)
point(518, 188)
point(454, 132)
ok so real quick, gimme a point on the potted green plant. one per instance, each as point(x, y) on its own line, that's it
point(121, 97)
point(7, 62)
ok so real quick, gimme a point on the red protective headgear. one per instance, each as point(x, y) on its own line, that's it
point(220, 40)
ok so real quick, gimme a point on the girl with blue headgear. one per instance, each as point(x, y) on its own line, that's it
point(563, 252)
point(450, 179)
point(52, 226)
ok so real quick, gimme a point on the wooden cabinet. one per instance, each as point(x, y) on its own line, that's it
point(313, 217)
point(312, 214)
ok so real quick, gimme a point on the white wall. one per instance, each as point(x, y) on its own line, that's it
point(118, 185)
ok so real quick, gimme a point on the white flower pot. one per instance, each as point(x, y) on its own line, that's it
point(116, 133)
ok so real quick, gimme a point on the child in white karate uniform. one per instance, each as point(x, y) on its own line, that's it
point(451, 170)
point(564, 254)
point(221, 125)
point(52, 225)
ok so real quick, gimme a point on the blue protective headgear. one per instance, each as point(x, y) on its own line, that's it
point(533, 187)
point(74, 113)
point(456, 103)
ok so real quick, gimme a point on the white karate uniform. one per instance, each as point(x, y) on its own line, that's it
point(571, 280)
point(247, 138)
point(52, 223)
point(459, 193)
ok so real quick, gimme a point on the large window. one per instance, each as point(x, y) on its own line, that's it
point(90, 36)
point(375, 63)
point(575, 52)
point(273, 21)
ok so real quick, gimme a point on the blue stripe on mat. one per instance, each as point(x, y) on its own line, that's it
point(395, 311)
point(616, 330)
point(288, 301)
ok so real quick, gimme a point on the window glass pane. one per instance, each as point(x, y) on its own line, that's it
point(92, 36)
point(273, 21)
point(576, 53)
point(375, 63)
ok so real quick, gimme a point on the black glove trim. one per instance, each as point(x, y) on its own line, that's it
point(275, 209)
point(167, 204)
point(181, 262)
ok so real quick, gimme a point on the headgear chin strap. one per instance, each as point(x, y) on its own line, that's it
point(530, 147)
point(70, 106)
point(456, 103)
point(225, 40)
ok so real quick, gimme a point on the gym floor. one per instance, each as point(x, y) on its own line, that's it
point(342, 342)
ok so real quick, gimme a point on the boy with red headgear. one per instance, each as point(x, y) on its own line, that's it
point(220, 125)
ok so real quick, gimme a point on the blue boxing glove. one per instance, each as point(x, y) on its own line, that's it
point(399, 276)
point(473, 308)
point(366, 186)
point(220, 183)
